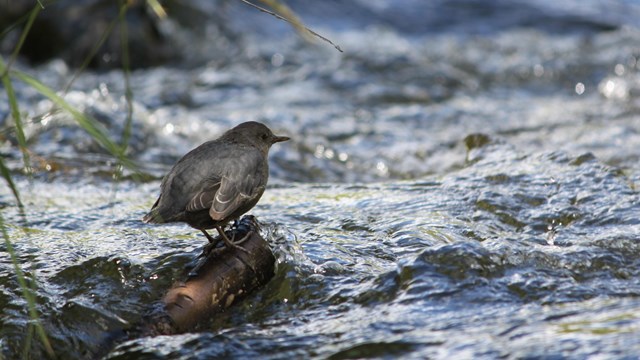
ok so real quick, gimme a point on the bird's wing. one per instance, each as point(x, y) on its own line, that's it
point(203, 199)
point(230, 197)
point(239, 184)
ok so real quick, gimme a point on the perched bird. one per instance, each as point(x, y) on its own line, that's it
point(217, 182)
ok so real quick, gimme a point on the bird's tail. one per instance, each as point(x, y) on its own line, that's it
point(154, 217)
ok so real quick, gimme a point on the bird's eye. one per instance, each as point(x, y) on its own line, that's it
point(264, 136)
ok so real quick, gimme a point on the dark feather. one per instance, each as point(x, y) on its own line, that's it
point(218, 181)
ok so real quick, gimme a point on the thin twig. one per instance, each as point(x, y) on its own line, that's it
point(292, 23)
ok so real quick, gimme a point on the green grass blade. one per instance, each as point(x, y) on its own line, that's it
point(13, 102)
point(15, 113)
point(91, 54)
point(6, 81)
point(26, 293)
point(26, 346)
point(4, 171)
point(89, 125)
point(126, 69)
point(84, 122)
point(13, 25)
point(157, 8)
point(27, 27)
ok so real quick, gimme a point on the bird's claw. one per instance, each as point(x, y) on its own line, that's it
point(233, 244)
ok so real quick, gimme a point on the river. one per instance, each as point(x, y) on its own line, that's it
point(461, 183)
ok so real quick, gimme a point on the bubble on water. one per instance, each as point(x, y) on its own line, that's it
point(329, 154)
point(277, 60)
point(538, 70)
point(614, 88)
point(104, 89)
point(382, 168)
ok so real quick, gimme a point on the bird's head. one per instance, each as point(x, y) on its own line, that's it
point(254, 133)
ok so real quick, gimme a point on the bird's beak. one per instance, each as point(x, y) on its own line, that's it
point(279, 139)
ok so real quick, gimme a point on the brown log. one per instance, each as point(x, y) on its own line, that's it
point(226, 275)
point(223, 277)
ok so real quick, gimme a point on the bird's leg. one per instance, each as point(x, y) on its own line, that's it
point(210, 238)
point(213, 243)
point(228, 242)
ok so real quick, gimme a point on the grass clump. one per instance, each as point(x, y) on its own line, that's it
point(9, 75)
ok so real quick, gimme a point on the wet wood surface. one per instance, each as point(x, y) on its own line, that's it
point(222, 278)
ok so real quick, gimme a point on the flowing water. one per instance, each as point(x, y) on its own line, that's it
point(461, 183)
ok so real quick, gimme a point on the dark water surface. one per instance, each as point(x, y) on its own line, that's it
point(461, 183)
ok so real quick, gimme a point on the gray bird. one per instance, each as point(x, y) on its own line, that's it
point(217, 182)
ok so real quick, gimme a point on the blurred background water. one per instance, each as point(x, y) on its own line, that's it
point(461, 183)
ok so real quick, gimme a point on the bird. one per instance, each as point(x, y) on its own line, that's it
point(217, 182)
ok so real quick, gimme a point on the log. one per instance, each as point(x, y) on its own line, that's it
point(225, 276)
point(222, 277)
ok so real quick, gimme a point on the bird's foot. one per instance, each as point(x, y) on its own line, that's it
point(212, 245)
point(231, 244)
point(244, 238)
point(209, 248)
